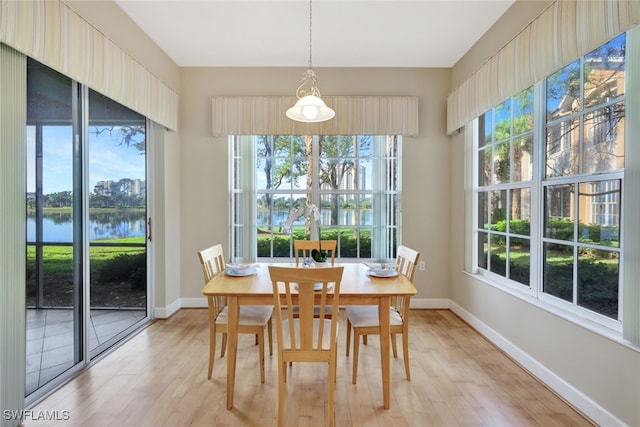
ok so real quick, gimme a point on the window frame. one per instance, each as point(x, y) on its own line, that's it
point(534, 294)
point(244, 192)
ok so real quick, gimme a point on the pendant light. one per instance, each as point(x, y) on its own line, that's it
point(310, 107)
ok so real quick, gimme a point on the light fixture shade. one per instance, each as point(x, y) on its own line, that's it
point(310, 109)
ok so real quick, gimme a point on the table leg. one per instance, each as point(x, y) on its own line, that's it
point(232, 347)
point(385, 337)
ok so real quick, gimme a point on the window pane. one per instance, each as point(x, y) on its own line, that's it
point(498, 254)
point(501, 163)
point(498, 207)
point(522, 158)
point(563, 91)
point(558, 212)
point(483, 210)
point(598, 275)
point(519, 260)
point(523, 111)
point(502, 126)
point(484, 169)
point(599, 212)
point(520, 212)
point(603, 148)
point(562, 148)
point(604, 72)
point(486, 129)
point(558, 271)
point(483, 246)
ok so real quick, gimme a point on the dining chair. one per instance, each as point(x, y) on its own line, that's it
point(252, 319)
point(306, 338)
point(365, 320)
point(303, 248)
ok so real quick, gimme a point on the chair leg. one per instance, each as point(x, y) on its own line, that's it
point(223, 346)
point(261, 358)
point(257, 339)
point(331, 384)
point(269, 331)
point(282, 372)
point(212, 350)
point(364, 339)
point(405, 354)
point(394, 346)
point(356, 350)
point(348, 335)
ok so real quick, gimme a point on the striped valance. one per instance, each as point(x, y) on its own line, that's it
point(355, 115)
point(52, 33)
point(566, 30)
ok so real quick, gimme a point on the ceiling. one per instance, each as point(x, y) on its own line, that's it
point(345, 33)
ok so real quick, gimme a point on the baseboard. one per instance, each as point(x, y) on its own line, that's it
point(568, 392)
point(165, 312)
point(432, 304)
point(193, 302)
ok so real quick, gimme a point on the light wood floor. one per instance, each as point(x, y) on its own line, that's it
point(159, 378)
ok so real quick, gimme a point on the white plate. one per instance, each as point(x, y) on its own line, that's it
point(378, 272)
point(241, 272)
point(239, 267)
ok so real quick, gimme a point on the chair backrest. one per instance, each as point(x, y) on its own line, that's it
point(303, 248)
point(301, 338)
point(406, 261)
point(212, 262)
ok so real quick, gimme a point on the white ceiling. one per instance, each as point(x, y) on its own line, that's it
point(345, 33)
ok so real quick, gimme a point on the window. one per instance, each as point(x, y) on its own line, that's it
point(548, 207)
point(353, 180)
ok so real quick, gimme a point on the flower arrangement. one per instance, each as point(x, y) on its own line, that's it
point(310, 212)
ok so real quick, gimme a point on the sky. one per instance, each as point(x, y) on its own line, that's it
point(108, 159)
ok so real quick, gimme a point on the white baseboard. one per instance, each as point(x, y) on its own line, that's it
point(165, 312)
point(568, 392)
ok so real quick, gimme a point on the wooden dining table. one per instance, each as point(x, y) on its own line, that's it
point(356, 288)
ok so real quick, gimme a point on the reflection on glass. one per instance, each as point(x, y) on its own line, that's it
point(598, 277)
point(563, 91)
point(558, 271)
point(599, 212)
point(603, 148)
point(519, 260)
point(604, 72)
point(562, 148)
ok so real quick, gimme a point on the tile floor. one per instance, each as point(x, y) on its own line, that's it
point(50, 339)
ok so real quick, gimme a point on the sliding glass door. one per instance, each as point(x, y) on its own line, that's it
point(86, 226)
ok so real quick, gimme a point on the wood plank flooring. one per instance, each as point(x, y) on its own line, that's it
point(159, 378)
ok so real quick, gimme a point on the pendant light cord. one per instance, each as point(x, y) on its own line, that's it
point(310, 64)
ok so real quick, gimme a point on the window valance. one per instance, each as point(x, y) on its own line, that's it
point(564, 31)
point(52, 33)
point(355, 115)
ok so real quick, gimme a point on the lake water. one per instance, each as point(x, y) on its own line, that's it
point(58, 227)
